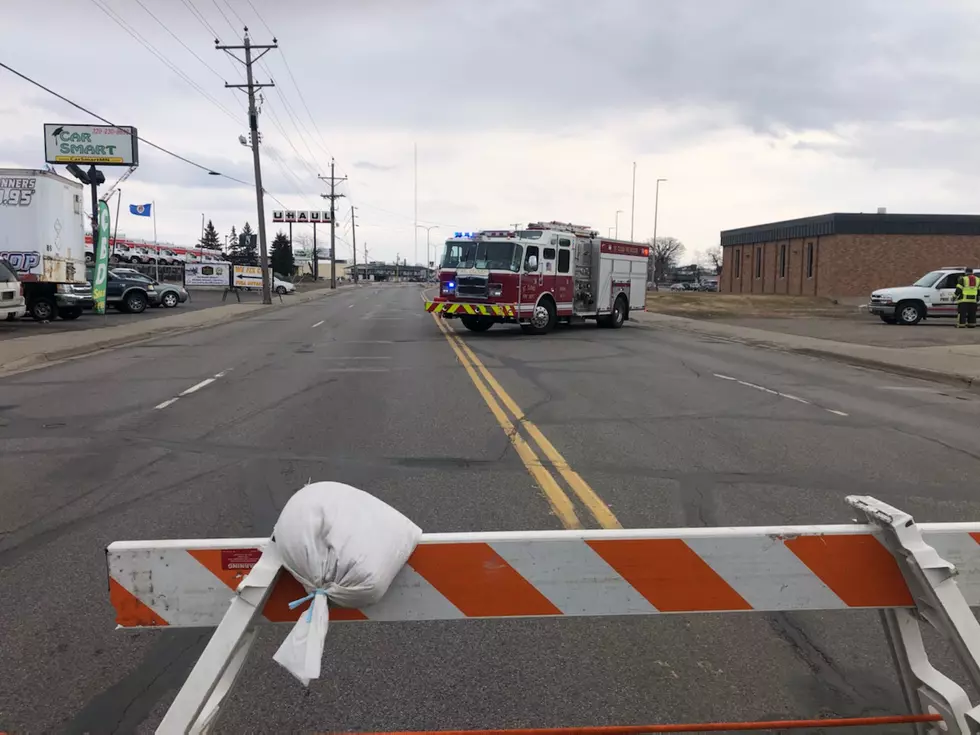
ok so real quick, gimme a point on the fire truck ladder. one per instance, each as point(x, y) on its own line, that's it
point(912, 574)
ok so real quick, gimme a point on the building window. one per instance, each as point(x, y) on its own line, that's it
point(758, 262)
point(809, 260)
point(737, 258)
point(782, 260)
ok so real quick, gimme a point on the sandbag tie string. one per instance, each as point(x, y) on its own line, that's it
point(309, 613)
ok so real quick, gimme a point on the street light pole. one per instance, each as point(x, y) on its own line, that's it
point(656, 207)
point(633, 202)
point(427, 231)
point(618, 212)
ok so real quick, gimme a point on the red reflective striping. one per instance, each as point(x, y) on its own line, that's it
point(857, 568)
point(130, 611)
point(477, 580)
point(669, 574)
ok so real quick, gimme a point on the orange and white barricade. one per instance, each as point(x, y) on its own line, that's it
point(912, 573)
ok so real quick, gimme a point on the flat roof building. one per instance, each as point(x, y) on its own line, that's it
point(844, 254)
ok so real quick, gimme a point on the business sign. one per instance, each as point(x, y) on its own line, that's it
point(207, 274)
point(304, 217)
point(101, 260)
point(246, 276)
point(93, 144)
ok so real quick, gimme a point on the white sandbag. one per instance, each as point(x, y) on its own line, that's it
point(343, 544)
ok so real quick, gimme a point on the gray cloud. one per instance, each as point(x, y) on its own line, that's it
point(369, 166)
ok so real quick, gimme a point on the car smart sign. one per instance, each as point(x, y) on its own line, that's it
point(93, 144)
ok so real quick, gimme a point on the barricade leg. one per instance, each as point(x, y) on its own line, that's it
point(196, 706)
point(938, 602)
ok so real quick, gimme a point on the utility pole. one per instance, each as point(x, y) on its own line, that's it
point(353, 239)
point(253, 132)
point(332, 196)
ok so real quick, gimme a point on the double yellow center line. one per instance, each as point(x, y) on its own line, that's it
point(491, 390)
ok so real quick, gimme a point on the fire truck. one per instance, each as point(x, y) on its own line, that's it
point(548, 273)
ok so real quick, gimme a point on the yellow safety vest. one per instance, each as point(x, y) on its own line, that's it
point(967, 288)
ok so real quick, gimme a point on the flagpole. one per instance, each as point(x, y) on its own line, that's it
point(156, 245)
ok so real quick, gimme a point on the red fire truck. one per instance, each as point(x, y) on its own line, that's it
point(549, 272)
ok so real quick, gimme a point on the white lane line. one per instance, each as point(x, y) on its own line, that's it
point(788, 396)
point(193, 389)
point(317, 324)
point(197, 387)
point(350, 306)
point(763, 389)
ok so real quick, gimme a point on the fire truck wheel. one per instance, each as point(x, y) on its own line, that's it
point(476, 323)
point(543, 319)
point(618, 315)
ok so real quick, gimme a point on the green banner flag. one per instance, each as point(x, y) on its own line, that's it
point(101, 260)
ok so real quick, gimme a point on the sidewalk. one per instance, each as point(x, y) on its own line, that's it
point(25, 353)
point(947, 363)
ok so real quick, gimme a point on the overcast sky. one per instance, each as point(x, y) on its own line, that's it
point(753, 110)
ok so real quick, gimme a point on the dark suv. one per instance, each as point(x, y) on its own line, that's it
point(128, 293)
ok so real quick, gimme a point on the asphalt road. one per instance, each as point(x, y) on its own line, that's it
point(362, 387)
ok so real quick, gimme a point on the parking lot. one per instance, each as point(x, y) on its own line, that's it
point(199, 299)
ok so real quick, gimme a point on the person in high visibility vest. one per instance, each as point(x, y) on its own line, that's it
point(966, 299)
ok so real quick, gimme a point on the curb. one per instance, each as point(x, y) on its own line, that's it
point(963, 381)
point(54, 357)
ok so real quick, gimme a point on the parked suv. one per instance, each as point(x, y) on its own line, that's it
point(12, 304)
point(931, 296)
point(126, 293)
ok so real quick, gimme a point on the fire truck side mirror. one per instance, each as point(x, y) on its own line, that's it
point(532, 263)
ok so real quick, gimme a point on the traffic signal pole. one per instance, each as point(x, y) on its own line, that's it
point(253, 127)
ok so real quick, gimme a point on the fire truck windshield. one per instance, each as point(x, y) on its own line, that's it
point(456, 252)
point(503, 255)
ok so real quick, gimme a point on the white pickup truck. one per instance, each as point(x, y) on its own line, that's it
point(931, 296)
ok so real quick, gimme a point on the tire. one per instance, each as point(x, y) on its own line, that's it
point(70, 312)
point(909, 313)
point(888, 319)
point(169, 300)
point(476, 323)
point(281, 290)
point(615, 319)
point(11, 317)
point(44, 310)
point(543, 319)
point(89, 258)
point(115, 259)
point(135, 302)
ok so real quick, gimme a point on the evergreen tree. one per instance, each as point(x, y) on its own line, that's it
point(232, 240)
point(211, 239)
point(282, 255)
point(244, 250)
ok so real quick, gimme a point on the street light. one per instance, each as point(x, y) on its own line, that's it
point(427, 231)
point(610, 232)
point(656, 205)
point(618, 212)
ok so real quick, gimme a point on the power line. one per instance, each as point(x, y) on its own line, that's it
point(178, 40)
point(160, 148)
point(189, 4)
point(261, 20)
point(237, 16)
point(117, 19)
point(222, 12)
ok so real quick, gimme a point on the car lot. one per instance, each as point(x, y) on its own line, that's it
point(199, 299)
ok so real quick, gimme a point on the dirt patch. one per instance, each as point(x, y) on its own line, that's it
point(867, 330)
point(697, 305)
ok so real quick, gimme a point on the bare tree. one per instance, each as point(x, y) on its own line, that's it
point(664, 254)
point(715, 258)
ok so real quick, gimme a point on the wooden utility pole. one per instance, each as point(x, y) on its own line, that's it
point(253, 133)
point(332, 196)
point(353, 238)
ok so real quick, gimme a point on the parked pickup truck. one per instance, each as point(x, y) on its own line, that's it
point(929, 297)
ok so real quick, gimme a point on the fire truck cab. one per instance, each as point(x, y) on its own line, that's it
point(539, 276)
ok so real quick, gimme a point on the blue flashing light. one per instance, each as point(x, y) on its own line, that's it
point(451, 284)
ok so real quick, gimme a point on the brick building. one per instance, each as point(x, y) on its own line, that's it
point(845, 254)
